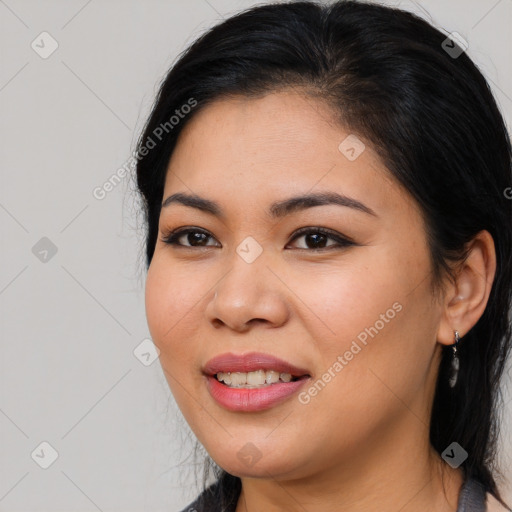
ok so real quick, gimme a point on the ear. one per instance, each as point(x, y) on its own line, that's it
point(466, 298)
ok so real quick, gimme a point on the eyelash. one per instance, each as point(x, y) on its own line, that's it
point(171, 238)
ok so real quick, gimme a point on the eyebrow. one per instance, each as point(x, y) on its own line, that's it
point(279, 208)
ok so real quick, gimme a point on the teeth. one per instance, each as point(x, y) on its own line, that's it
point(272, 376)
point(237, 379)
point(256, 379)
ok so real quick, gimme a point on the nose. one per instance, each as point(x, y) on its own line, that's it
point(249, 293)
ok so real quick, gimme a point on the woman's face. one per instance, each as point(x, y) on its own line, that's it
point(355, 320)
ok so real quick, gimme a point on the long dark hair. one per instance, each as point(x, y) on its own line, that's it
point(426, 110)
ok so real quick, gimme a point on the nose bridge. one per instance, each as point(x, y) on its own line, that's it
point(248, 273)
point(248, 290)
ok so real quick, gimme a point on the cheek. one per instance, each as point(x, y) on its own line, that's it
point(156, 300)
point(172, 299)
point(365, 313)
point(346, 299)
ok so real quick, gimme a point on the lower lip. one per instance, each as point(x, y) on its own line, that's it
point(252, 399)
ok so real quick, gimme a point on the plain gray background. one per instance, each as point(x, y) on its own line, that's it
point(71, 269)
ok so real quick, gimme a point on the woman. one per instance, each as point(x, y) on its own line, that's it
point(329, 252)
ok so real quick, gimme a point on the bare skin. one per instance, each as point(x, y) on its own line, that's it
point(361, 443)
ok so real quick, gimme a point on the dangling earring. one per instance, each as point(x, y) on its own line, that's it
point(455, 362)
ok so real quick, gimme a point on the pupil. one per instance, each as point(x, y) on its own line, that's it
point(196, 237)
point(315, 239)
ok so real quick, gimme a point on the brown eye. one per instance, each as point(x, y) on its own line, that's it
point(317, 239)
point(193, 237)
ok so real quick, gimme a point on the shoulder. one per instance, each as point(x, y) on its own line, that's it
point(493, 505)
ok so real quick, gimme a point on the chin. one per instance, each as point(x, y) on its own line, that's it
point(250, 462)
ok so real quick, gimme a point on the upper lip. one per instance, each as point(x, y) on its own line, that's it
point(249, 362)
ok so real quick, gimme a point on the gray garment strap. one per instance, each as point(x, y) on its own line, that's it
point(472, 497)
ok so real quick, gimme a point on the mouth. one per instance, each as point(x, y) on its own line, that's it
point(252, 381)
point(252, 369)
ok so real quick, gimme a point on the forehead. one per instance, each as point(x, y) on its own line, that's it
point(275, 145)
point(280, 125)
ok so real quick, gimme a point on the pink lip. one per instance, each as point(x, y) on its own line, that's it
point(255, 399)
point(250, 362)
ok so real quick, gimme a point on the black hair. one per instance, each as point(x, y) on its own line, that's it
point(430, 115)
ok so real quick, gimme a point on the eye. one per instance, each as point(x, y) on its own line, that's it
point(315, 238)
point(191, 235)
